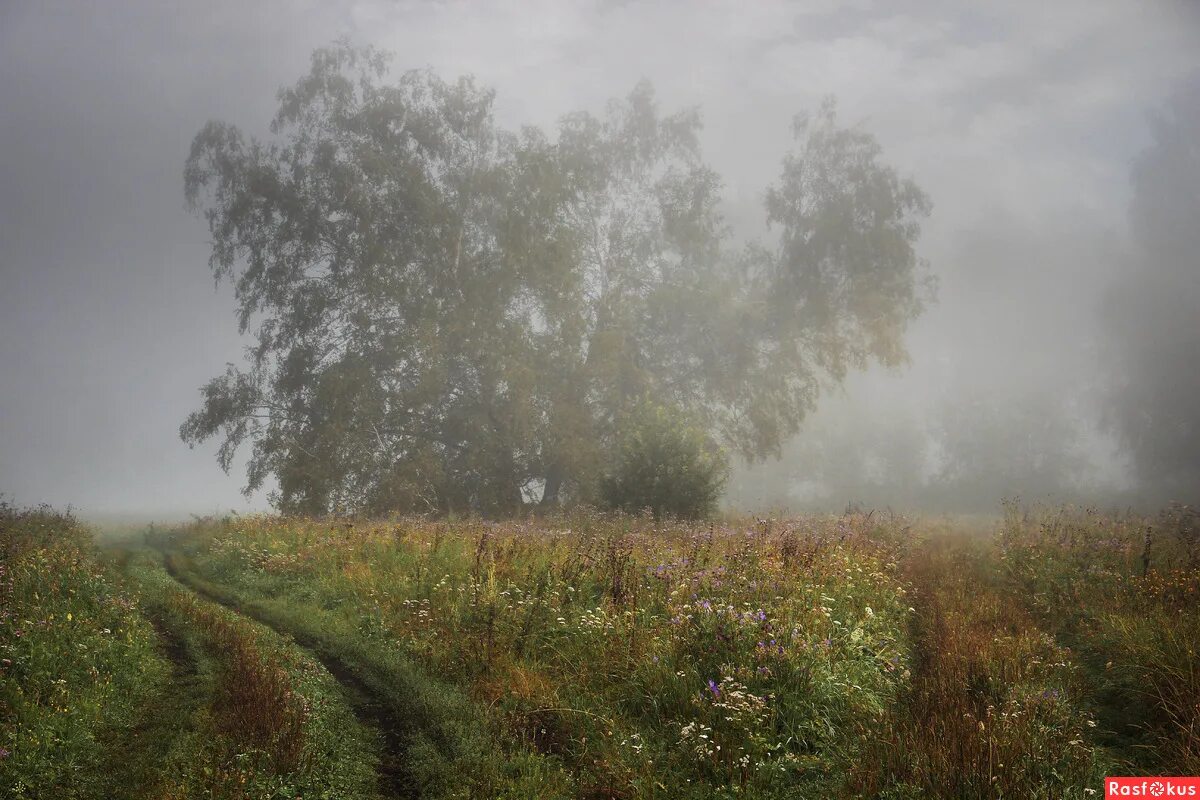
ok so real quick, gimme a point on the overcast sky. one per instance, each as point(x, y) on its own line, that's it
point(1020, 121)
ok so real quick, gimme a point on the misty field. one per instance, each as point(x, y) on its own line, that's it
point(593, 656)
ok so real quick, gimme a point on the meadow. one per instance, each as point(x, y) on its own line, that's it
point(599, 656)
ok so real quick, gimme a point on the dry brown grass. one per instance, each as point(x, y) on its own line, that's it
point(257, 704)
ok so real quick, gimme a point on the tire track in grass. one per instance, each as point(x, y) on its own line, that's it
point(394, 778)
point(133, 757)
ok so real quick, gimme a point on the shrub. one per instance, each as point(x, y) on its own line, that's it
point(667, 464)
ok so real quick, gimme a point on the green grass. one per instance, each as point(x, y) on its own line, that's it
point(444, 737)
point(603, 657)
point(634, 662)
point(1124, 594)
point(119, 683)
point(273, 722)
point(77, 660)
point(851, 656)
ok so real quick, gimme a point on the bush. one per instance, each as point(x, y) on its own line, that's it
point(666, 464)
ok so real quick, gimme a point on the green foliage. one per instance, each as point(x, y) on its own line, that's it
point(666, 465)
point(450, 314)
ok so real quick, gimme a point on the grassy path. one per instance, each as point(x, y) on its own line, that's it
point(369, 706)
point(134, 756)
point(997, 707)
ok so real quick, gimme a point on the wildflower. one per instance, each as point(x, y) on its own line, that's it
point(714, 688)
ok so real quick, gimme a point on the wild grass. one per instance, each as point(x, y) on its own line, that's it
point(446, 748)
point(77, 660)
point(1124, 592)
point(995, 706)
point(645, 660)
point(850, 656)
point(117, 683)
point(271, 721)
point(597, 657)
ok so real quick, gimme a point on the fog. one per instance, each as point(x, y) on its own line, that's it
point(1058, 360)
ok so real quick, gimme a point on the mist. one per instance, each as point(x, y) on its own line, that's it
point(1055, 356)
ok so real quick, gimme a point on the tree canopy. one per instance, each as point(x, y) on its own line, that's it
point(451, 316)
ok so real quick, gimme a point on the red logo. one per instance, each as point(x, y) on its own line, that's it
point(1151, 787)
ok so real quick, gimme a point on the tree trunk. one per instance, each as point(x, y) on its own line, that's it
point(554, 482)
